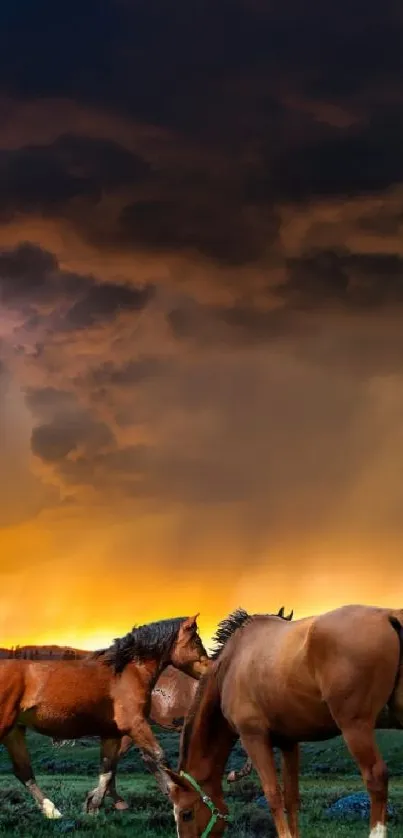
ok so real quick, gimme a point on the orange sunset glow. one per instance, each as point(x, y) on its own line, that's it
point(201, 308)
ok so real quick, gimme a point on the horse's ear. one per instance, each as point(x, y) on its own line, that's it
point(281, 612)
point(290, 616)
point(176, 779)
point(190, 623)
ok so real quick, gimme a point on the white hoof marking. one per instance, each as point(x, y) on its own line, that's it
point(49, 810)
point(379, 831)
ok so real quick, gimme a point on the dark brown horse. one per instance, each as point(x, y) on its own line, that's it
point(107, 695)
point(275, 683)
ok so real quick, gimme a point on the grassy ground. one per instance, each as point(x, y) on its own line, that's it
point(66, 774)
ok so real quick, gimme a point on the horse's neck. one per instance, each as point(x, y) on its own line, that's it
point(210, 738)
point(149, 672)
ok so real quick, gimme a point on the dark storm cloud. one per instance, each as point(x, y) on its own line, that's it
point(44, 400)
point(342, 162)
point(354, 280)
point(254, 452)
point(319, 280)
point(178, 207)
point(63, 426)
point(132, 372)
point(335, 309)
point(211, 223)
point(243, 93)
point(101, 303)
point(47, 178)
point(168, 64)
point(31, 277)
point(161, 475)
point(26, 272)
point(67, 433)
point(249, 81)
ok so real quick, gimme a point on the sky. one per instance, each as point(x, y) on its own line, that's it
point(201, 312)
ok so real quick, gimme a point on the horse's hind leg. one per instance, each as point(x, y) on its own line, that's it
point(109, 759)
point(258, 746)
point(18, 752)
point(360, 740)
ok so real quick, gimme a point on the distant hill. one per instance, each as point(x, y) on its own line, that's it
point(43, 652)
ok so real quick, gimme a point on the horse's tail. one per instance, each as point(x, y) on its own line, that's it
point(396, 621)
point(395, 702)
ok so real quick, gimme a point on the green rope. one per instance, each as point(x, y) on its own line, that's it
point(215, 813)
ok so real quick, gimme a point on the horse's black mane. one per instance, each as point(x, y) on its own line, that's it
point(234, 621)
point(225, 630)
point(153, 640)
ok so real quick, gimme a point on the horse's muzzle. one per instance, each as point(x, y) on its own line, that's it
point(200, 667)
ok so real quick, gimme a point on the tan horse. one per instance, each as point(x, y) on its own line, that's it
point(107, 695)
point(276, 683)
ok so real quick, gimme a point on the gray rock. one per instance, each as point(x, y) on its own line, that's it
point(357, 805)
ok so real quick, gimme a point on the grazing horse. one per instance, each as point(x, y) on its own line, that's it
point(274, 684)
point(107, 695)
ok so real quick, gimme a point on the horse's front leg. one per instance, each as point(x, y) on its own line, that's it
point(290, 759)
point(119, 802)
point(151, 752)
point(109, 760)
point(258, 746)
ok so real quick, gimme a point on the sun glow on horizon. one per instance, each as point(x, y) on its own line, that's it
point(86, 604)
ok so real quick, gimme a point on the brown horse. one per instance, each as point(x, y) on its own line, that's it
point(107, 695)
point(171, 700)
point(275, 683)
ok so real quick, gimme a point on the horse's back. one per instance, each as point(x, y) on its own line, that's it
point(13, 672)
point(295, 675)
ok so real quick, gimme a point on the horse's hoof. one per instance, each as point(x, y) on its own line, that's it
point(90, 808)
point(121, 806)
point(49, 810)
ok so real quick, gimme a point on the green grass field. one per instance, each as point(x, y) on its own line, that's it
point(66, 774)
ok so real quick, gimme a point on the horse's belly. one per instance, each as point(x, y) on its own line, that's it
point(289, 715)
point(68, 726)
point(63, 721)
point(304, 722)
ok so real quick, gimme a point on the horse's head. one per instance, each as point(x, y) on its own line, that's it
point(188, 652)
point(194, 810)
